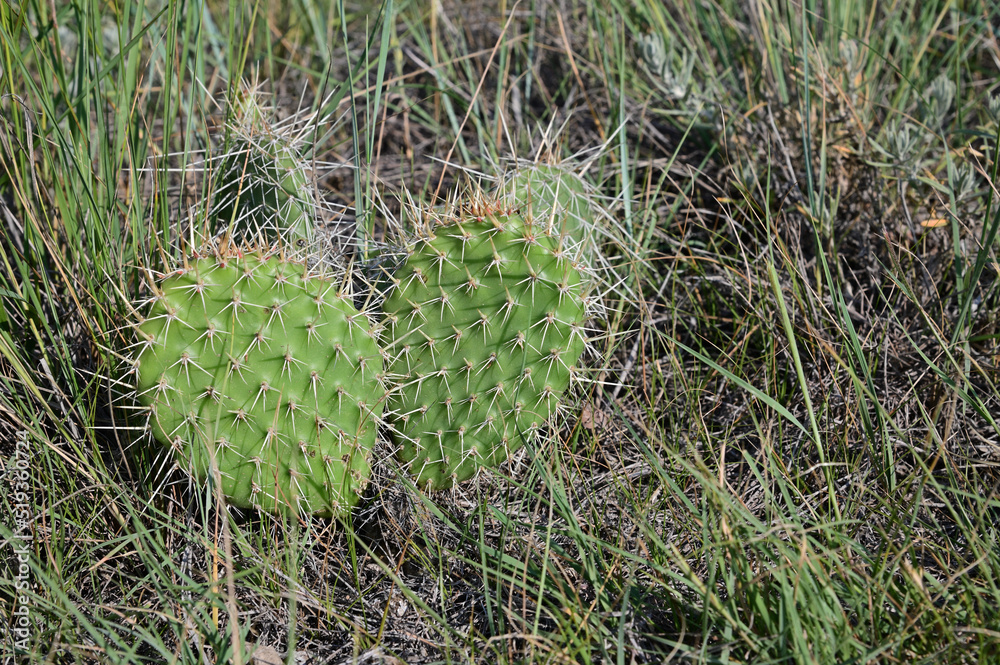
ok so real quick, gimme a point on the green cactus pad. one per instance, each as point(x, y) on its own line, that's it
point(268, 368)
point(485, 325)
point(262, 188)
point(553, 195)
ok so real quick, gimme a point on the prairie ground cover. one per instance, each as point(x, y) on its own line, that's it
point(783, 449)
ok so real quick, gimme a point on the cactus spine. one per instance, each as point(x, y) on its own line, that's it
point(262, 368)
point(485, 327)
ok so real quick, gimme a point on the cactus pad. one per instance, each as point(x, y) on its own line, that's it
point(555, 195)
point(262, 188)
point(485, 326)
point(262, 184)
point(265, 366)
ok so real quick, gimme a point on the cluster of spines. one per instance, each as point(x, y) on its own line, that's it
point(262, 368)
point(485, 324)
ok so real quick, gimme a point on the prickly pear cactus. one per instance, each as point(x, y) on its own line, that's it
point(262, 184)
point(263, 368)
point(553, 195)
point(485, 327)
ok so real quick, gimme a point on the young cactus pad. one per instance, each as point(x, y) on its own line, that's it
point(263, 188)
point(265, 192)
point(551, 194)
point(265, 367)
point(262, 184)
point(485, 323)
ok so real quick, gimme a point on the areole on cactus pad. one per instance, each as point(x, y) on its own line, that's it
point(262, 368)
point(485, 327)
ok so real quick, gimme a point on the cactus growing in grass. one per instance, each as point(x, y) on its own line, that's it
point(557, 195)
point(554, 195)
point(262, 185)
point(259, 366)
point(485, 327)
